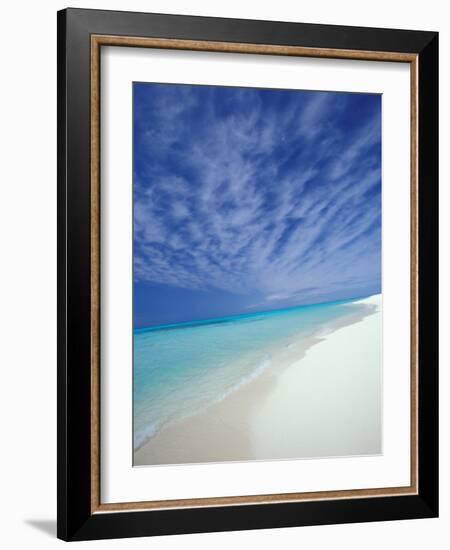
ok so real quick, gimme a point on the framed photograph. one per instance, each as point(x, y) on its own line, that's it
point(247, 253)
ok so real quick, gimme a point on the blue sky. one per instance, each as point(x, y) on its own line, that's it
point(253, 199)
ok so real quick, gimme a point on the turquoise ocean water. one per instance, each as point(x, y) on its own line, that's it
point(181, 369)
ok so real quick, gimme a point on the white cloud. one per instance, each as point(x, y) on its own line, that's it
point(252, 201)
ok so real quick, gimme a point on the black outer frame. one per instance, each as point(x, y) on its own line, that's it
point(75, 521)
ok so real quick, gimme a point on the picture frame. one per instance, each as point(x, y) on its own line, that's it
point(81, 36)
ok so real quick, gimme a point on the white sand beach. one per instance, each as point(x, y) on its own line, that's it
point(321, 398)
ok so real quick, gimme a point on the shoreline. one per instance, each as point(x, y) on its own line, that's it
point(271, 416)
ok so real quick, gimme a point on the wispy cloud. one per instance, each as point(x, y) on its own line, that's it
point(257, 192)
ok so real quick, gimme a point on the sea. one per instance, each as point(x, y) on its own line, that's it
point(181, 369)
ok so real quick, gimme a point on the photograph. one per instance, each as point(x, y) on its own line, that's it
point(257, 274)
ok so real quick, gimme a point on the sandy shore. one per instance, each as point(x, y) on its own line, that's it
point(321, 398)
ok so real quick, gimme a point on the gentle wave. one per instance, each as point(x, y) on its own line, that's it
point(141, 437)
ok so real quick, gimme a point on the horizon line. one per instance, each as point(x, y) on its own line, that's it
point(210, 320)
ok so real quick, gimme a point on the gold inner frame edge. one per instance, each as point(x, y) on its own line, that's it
point(95, 181)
